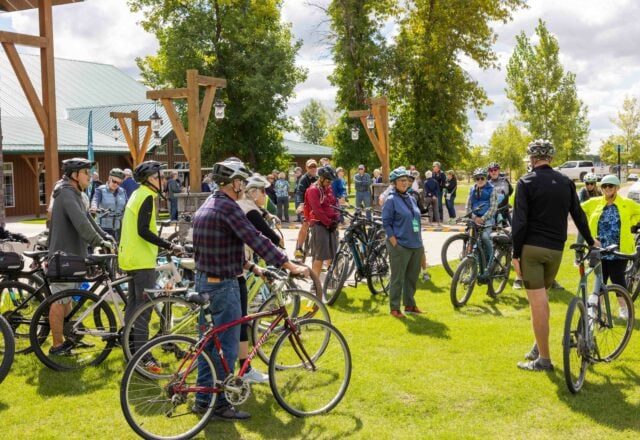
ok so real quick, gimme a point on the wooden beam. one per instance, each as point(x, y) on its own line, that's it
point(211, 81)
point(205, 111)
point(128, 138)
point(118, 115)
point(376, 101)
point(167, 93)
point(358, 114)
point(27, 87)
point(145, 144)
point(23, 39)
point(176, 123)
point(193, 115)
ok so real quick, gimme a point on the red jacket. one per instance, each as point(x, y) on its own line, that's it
point(317, 205)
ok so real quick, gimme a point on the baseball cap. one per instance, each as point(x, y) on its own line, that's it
point(312, 162)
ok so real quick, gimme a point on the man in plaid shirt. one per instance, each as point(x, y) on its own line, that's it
point(220, 231)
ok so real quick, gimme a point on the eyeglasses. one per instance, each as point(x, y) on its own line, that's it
point(403, 180)
point(480, 178)
point(591, 183)
point(607, 185)
point(117, 182)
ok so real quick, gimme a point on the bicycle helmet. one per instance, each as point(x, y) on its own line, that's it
point(493, 166)
point(610, 179)
point(480, 172)
point(590, 178)
point(228, 170)
point(256, 181)
point(399, 172)
point(117, 172)
point(146, 169)
point(327, 172)
point(76, 164)
point(541, 148)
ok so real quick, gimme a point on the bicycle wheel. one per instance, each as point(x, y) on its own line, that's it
point(500, 273)
point(168, 315)
point(160, 407)
point(18, 302)
point(7, 348)
point(336, 276)
point(379, 270)
point(463, 282)
point(454, 249)
point(632, 278)
point(575, 351)
point(89, 331)
point(311, 284)
point(310, 369)
point(299, 304)
point(612, 327)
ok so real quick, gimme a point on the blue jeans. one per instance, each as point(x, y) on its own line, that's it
point(485, 238)
point(283, 209)
point(224, 305)
point(439, 195)
point(174, 209)
point(451, 207)
point(364, 198)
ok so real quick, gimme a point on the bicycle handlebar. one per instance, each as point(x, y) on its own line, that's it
point(609, 250)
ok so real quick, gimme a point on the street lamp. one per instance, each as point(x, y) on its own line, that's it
point(219, 107)
point(115, 131)
point(157, 139)
point(371, 121)
point(156, 121)
point(355, 133)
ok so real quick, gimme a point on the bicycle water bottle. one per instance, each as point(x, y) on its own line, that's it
point(592, 305)
point(83, 286)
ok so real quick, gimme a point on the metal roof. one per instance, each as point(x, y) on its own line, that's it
point(23, 135)
point(21, 5)
point(297, 148)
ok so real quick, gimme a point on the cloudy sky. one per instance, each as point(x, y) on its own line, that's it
point(597, 42)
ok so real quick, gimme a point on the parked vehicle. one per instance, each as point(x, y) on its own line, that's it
point(577, 169)
point(632, 177)
point(634, 192)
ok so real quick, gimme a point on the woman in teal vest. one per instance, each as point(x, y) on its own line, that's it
point(138, 248)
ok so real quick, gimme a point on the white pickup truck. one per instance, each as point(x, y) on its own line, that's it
point(576, 169)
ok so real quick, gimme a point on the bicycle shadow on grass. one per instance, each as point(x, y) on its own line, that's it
point(605, 403)
point(492, 306)
point(430, 287)
point(3, 406)
point(351, 302)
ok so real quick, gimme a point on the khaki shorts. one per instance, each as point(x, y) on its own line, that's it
point(539, 266)
point(59, 287)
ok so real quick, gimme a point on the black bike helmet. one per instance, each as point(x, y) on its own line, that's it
point(146, 169)
point(228, 170)
point(327, 172)
point(541, 148)
point(117, 172)
point(480, 172)
point(76, 164)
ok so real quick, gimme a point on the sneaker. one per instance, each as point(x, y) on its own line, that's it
point(623, 313)
point(255, 376)
point(534, 366)
point(556, 285)
point(151, 364)
point(62, 350)
point(517, 284)
point(228, 412)
point(298, 253)
point(452, 222)
point(397, 314)
point(533, 354)
point(413, 310)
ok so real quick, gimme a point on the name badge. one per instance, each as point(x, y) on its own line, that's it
point(416, 225)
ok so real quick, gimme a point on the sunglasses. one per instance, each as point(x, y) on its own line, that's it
point(480, 179)
point(117, 182)
point(493, 169)
point(590, 183)
point(607, 185)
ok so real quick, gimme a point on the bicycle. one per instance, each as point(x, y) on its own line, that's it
point(309, 373)
point(596, 328)
point(632, 273)
point(362, 249)
point(471, 269)
point(7, 348)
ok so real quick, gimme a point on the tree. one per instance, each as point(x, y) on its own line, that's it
point(243, 41)
point(473, 158)
point(545, 96)
point(609, 154)
point(628, 121)
point(313, 119)
point(508, 146)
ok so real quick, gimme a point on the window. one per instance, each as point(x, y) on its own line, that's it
point(162, 148)
point(9, 197)
point(177, 149)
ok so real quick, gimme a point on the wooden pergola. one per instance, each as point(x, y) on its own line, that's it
point(44, 109)
point(379, 138)
point(136, 148)
point(197, 117)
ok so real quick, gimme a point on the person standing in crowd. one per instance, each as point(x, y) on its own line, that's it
point(377, 176)
point(610, 219)
point(282, 197)
point(206, 184)
point(96, 183)
point(450, 187)
point(339, 188)
point(543, 199)
point(504, 190)
point(71, 231)
point(111, 196)
point(173, 188)
point(297, 172)
point(401, 222)
point(220, 231)
point(483, 203)
point(362, 182)
point(431, 196)
point(590, 188)
point(138, 250)
point(129, 184)
point(318, 202)
point(305, 182)
point(441, 179)
point(272, 198)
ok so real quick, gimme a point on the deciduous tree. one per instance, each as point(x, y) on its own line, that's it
point(508, 146)
point(628, 121)
point(313, 122)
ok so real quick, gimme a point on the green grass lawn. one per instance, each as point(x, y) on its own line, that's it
point(446, 374)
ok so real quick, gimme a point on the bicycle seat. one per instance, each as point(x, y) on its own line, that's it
point(500, 238)
point(35, 255)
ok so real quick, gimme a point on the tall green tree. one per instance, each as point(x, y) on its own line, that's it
point(243, 41)
point(313, 122)
point(628, 121)
point(473, 158)
point(609, 154)
point(508, 146)
point(545, 96)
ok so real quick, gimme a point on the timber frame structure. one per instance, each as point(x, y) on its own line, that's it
point(137, 149)
point(379, 138)
point(197, 117)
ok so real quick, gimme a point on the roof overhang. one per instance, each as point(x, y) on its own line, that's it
point(21, 5)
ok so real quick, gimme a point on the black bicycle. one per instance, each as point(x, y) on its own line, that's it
point(7, 348)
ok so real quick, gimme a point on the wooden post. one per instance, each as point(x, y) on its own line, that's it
point(380, 138)
point(137, 149)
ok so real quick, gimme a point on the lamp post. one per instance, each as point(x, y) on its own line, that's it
point(376, 122)
point(619, 149)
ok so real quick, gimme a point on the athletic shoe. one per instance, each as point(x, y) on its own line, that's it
point(62, 350)
point(228, 412)
point(397, 314)
point(623, 313)
point(425, 276)
point(517, 284)
point(151, 364)
point(413, 310)
point(255, 376)
point(298, 253)
point(534, 366)
point(533, 354)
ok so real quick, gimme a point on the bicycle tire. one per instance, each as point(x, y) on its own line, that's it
point(310, 369)
point(170, 315)
point(88, 349)
point(311, 284)
point(18, 303)
point(612, 335)
point(336, 276)
point(7, 348)
point(147, 403)
point(632, 279)
point(500, 273)
point(378, 270)
point(453, 253)
point(464, 280)
point(301, 305)
point(575, 354)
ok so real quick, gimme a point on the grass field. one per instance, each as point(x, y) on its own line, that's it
point(446, 374)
